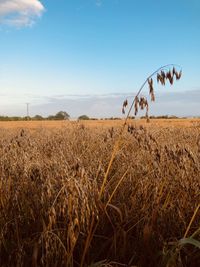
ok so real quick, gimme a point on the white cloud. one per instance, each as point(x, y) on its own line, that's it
point(183, 103)
point(20, 13)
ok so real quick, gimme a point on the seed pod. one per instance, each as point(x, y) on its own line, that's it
point(163, 74)
point(158, 77)
point(174, 71)
point(136, 105)
point(171, 80)
point(179, 75)
point(125, 104)
point(141, 103)
point(169, 75)
point(151, 92)
point(162, 80)
point(150, 82)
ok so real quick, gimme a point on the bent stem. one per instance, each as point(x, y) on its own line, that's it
point(116, 145)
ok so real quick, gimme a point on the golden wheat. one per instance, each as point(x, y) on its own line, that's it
point(51, 212)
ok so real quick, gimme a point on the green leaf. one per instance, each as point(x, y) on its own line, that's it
point(191, 241)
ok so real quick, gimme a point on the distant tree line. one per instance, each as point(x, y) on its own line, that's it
point(161, 117)
point(61, 115)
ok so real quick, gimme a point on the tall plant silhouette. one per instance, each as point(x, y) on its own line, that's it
point(167, 73)
point(164, 74)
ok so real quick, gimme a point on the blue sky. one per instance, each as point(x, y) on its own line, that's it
point(53, 49)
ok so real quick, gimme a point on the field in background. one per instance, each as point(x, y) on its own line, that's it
point(51, 209)
point(101, 123)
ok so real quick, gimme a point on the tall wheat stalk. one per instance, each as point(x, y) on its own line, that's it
point(163, 74)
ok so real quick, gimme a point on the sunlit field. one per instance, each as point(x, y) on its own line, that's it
point(96, 123)
point(57, 208)
point(99, 133)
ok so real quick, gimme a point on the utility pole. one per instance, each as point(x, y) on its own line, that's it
point(27, 110)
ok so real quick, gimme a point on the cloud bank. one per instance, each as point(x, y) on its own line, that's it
point(184, 103)
point(20, 13)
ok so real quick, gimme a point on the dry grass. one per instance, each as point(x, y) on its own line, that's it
point(98, 123)
point(51, 209)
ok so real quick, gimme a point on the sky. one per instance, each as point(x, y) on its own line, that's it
point(87, 56)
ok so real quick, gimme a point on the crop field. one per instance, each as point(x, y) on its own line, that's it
point(86, 194)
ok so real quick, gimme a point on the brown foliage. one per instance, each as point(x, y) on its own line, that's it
point(49, 195)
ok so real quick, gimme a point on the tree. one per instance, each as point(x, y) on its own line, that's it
point(83, 117)
point(62, 115)
point(51, 117)
point(38, 118)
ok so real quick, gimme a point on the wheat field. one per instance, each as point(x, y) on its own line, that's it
point(57, 208)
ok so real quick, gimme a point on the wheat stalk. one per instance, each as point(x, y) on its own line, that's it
point(142, 103)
